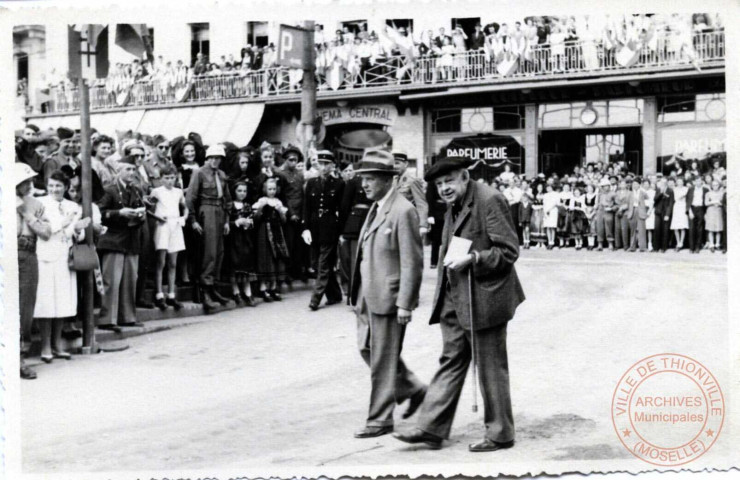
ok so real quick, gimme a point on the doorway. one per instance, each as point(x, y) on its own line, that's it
point(562, 150)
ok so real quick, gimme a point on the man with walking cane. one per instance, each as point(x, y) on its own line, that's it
point(385, 289)
point(477, 294)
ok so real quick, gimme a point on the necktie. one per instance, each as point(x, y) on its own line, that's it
point(371, 217)
point(219, 189)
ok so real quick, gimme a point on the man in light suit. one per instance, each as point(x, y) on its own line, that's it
point(384, 291)
point(481, 215)
point(637, 213)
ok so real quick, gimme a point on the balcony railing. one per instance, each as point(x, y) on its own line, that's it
point(570, 59)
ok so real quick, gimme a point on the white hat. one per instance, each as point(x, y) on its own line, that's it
point(216, 151)
point(605, 182)
point(22, 172)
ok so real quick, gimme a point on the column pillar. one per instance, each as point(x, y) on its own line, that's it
point(649, 136)
point(530, 141)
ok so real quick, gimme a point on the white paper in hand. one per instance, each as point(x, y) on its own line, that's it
point(459, 247)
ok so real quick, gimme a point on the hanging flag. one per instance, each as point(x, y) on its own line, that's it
point(133, 37)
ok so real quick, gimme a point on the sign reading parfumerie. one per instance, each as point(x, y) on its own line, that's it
point(487, 153)
point(383, 114)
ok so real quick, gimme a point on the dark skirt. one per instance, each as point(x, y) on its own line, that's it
point(579, 222)
point(271, 265)
point(241, 253)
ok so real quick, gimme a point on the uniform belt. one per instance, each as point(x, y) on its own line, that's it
point(27, 243)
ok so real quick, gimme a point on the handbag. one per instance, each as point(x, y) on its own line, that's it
point(82, 257)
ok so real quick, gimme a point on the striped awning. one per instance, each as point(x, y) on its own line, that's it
point(235, 123)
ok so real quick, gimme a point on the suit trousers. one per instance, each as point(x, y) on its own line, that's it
point(696, 228)
point(440, 403)
point(380, 340)
point(326, 275)
point(639, 233)
point(118, 305)
point(662, 232)
point(28, 280)
point(605, 226)
point(622, 232)
point(212, 218)
point(347, 255)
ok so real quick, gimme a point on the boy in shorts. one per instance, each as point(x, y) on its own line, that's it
point(170, 213)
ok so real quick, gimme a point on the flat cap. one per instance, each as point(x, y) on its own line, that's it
point(446, 165)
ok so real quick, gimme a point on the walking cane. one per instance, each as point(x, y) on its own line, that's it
point(472, 340)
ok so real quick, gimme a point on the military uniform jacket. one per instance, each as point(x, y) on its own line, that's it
point(292, 191)
point(321, 209)
point(355, 207)
point(413, 189)
point(203, 190)
point(123, 235)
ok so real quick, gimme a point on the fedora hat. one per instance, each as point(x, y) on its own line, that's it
point(377, 161)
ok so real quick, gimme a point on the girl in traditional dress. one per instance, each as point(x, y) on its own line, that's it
point(564, 215)
point(578, 222)
point(272, 251)
point(241, 245)
point(538, 215)
point(589, 200)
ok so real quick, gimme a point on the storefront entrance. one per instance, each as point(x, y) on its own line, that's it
point(562, 150)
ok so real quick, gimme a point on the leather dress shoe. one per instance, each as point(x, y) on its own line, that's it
point(112, 328)
point(27, 373)
point(419, 436)
point(313, 306)
point(172, 302)
point(414, 402)
point(131, 324)
point(489, 446)
point(160, 303)
point(218, 297)
point(61, 354)
point(371, 432)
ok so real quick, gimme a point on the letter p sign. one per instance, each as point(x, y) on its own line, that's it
point(293, 42)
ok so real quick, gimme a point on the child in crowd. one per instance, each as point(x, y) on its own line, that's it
point(272, 251)
point(713, 217)
point(241, 245)
point(168, 236)
point(578, 220)
point(649, 187)
point(525, 216)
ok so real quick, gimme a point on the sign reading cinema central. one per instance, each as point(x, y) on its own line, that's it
point(384, 114)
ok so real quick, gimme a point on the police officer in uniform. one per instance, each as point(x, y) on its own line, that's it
point(321, 225)
point(208, 200)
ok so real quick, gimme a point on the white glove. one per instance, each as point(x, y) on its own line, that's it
point(430, 220)
point(306, 235)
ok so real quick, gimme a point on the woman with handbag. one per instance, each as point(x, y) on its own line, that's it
point(57, 287)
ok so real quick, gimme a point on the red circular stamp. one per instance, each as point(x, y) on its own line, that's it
point(668, 409)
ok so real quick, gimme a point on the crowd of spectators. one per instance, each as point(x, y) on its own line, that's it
point(353, 57)
point(608, 206)
point(151, 194)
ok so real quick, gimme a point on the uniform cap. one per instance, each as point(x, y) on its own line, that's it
point(399, 155)
point(325, 156)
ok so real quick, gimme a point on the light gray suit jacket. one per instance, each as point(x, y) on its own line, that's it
point(389, 253)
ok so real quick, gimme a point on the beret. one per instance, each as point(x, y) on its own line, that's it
point(65, 133)
point(446, 165)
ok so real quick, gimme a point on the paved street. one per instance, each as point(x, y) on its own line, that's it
point(280, 385)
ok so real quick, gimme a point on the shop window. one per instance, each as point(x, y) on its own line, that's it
point(591, 114)
point(508, 117)
point(709, 107)
point(355, 26)
point(446, 121)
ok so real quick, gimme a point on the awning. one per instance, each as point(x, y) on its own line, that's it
point(235, 123)
point(215, 123)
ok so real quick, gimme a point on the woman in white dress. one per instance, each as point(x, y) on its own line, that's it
point(649, 204)
point(680, 220)
point(550, 203)
point(57, 287)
